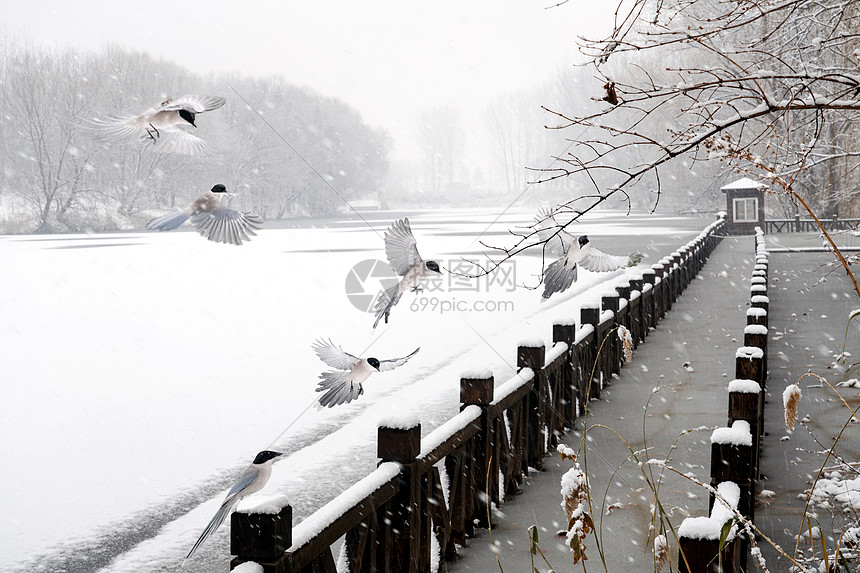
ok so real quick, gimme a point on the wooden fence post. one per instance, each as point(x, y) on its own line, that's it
point(677, 260)
point(262, 538)
point(533, 357)
point(732, 460)
point(659, 292)
point(701, 556)
point(639, 320)
point(669, 277)
point(479, 392)
point(746, 402)
point(649, 301)
point(749, 364)
point(566, 332)
point(757, 315)
point(627, 313)
point(591, 315)
point(402, 445)
point(612, 346)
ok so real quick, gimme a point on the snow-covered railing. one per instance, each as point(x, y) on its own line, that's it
point(798, 225)
point(440, 487)
point(735, 449)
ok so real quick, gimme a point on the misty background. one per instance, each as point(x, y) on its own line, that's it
point(378, 105)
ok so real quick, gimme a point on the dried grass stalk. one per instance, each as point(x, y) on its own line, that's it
point(790, 399)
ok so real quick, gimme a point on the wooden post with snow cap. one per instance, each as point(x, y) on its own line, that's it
point(531, 354)
point(760, 301)
point(678, 258)
point(756, 335)
point(669, 293)
point(659, 292)
point(701, 548)
point(749, 364)
point(649, 301)
point(637, 311)
point(591, 315)
point(262, 534)
point(612, 344)
point(626, 314)
point(732, 460)
point(756, 315)
point(566, 332)
point(400, 441)
point(477, 389)
point(746, 402)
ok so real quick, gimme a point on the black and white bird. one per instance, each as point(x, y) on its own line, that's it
point(343, 385)
point(573, 251)
point(252, 480)
point(163, 124)
point(403, 258)
point(211, 219)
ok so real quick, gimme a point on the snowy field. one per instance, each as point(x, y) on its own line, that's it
point(142, 372)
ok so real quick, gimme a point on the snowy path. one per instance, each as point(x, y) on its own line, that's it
point(153, 367)
point(654, 396)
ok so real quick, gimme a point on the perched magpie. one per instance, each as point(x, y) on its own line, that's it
point(573, 251)
point(403, 258)
point(211, 219)
point(343, 385)
point(252, 480)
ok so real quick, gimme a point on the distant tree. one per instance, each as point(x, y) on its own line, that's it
point(43, 161)
point(442, 139)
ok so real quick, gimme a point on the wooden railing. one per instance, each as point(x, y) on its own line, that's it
point(388, 520)
point(736, 449)
point(798, 225)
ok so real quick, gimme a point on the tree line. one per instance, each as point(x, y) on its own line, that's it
point(57, 174)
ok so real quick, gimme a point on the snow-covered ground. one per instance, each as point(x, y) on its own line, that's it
point(141, 372)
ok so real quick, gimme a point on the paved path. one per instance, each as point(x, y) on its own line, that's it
point(704, 328)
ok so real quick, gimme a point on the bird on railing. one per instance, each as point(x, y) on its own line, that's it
point(574, 251)
point(252, 480)
point(343, 385)
point(212, 219)
point(403, 258)
point(162, 124)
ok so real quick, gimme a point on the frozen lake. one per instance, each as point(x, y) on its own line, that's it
point(141, 372)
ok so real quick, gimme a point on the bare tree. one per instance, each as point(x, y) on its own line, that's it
point(42, 97)
point(441, 137)
point(755, 85)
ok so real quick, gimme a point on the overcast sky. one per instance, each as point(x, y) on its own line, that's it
point(389, 59)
